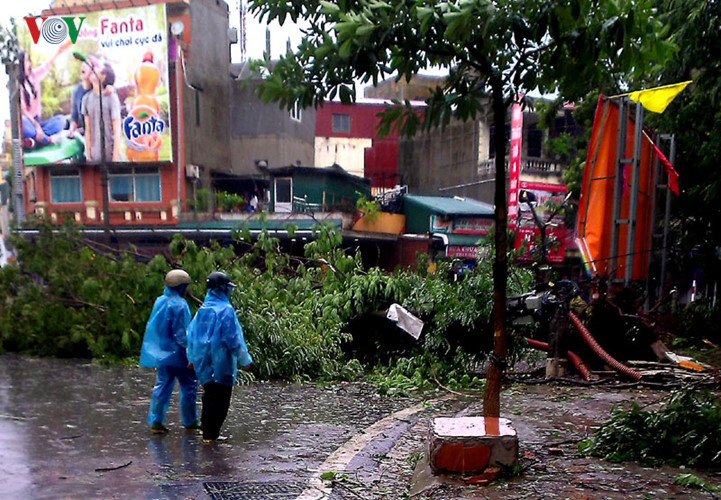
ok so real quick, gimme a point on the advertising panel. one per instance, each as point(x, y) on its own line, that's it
point(71, 66)
point(528, 235)
point(515, 170)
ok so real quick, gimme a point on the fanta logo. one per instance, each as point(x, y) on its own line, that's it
point(143, 129)
point(54, 29)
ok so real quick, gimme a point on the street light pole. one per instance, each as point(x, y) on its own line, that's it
point(103, 163)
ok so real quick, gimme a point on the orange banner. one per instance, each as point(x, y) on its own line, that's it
point(596, 206)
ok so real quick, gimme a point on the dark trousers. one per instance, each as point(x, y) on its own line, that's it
point(216, 401)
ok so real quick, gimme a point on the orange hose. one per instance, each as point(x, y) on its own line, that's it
point(600, 352)
point(575, 358)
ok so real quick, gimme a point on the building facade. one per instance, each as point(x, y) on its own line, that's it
point(347, 135)
point(218, 135)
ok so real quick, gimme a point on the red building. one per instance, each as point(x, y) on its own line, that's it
point(347, 135)
point(150, 182)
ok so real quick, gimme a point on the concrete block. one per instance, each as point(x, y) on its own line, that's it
point(471, 444)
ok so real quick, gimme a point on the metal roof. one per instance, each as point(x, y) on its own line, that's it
point(443, 205)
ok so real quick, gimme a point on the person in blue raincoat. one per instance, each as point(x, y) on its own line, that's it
point(216, 346)
point(164, 346)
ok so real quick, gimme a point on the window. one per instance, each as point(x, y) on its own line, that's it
point(295, 112)
point(65, 186)
point(535, 142)
point(135, 184)
point(341, 122)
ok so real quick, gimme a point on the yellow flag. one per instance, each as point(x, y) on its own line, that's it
point(658, 98)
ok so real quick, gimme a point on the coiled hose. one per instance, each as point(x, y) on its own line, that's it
point(575, 359)
point(600, 352)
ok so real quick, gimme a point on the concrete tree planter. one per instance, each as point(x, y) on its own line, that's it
point(471, 444)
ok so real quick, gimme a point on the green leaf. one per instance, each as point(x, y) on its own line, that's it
point(329, 8)
point(365, 30)
point(345, 48)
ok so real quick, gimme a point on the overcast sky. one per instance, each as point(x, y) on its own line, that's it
point(254, 46)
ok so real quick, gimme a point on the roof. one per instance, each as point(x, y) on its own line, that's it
point(333, 170)
point(444, 205)
point(375, 101)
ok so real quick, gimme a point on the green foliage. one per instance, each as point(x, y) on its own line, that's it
point(498, 47)
point(228, 201)
point(694, 481)
point(66, 297)
point(700, 320)
point(370, 208)
point(421, 372)
point(52, 93)
point(201, 202)
point(493, 51)
point(9, 43)
point(687, 431)
point(693, 118)
point(329, 476)
point(63, 298)
point(561, 147)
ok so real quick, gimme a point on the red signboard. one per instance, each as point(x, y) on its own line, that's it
point(528, 235)
point(462, 251)
point(515, 170)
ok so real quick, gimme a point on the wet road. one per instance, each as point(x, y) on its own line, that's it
point(70, 429)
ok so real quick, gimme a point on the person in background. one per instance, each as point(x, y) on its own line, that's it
point(253, 204)
point(164, 347)
point(111, 116)
point(77, 121)
point(36, 131)
point(216, 346)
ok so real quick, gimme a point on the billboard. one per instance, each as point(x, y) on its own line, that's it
point(596, 217)
point(515, 173)
point(71, 66)
point(558, 236)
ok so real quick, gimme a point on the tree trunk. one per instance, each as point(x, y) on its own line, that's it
point(492, 394)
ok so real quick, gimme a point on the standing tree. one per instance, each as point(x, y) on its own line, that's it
point(494, 50)
point(693, 118)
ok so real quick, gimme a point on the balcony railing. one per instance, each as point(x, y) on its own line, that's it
point(487, 168)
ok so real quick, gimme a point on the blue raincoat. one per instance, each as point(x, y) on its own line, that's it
point(215, 341)
point(165, 334)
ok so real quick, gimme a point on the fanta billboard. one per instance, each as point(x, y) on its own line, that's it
point(72, 66)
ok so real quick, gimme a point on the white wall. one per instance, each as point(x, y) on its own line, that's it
point(347, 152)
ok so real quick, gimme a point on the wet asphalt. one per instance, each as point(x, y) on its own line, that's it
point(73, 429)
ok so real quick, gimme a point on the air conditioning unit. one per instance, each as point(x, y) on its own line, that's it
point(192, 171)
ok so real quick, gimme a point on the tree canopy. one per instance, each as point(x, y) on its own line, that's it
point(494, 50)
point(571, 46)
point(693, 117)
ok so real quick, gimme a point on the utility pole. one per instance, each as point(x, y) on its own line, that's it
point(17, 194)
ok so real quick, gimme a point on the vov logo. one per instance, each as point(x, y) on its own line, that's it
point(54, 29)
